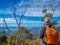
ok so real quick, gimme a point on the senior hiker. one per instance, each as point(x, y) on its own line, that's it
point(48, 33)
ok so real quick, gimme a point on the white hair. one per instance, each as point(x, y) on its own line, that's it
point(47, 19)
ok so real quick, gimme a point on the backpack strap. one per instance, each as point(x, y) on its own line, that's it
point(45, 31)
point(46, 26)
point(49, 26)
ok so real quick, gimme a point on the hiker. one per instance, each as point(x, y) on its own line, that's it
point(48, 33)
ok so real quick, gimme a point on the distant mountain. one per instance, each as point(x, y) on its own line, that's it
point(35, 32)
point(11, 28)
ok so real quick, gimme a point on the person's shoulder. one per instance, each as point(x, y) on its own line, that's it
point(43, 27)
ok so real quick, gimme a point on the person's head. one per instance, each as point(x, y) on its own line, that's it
point(47, 19)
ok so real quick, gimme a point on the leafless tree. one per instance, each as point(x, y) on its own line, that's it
point(53, 7)
point(13, 10)
point(7, 26)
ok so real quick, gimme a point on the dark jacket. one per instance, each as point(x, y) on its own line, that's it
point(42, 31)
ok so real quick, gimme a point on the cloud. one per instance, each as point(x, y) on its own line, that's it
point(30, 12)
point(12, 22)
point(8, 20)
point(56, 13)
point(6, 11)
point(38, 12)
point(34, 7)
point(34, 12)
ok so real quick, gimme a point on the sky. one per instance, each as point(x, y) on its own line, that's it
point(33, 14)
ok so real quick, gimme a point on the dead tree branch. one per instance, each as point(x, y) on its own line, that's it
point(54, 7)
point(13, 10)
point(7, 26)
point(23, 13)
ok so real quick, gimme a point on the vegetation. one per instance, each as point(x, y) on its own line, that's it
point(25, 38)
point(3, 38)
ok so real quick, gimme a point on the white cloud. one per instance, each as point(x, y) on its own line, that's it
point(8, 20)
point(30, 12)
point(34, 8)
point(6, 11)
point(56, 13)
point(33, 13)
point(31, 25)
point(12, 20)
point(38, 12)
point(29, 21)
point(1, 20)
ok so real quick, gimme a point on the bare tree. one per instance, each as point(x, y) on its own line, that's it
point(13, 10)
point(53, 7)
point(23, 13)
point(6, 26)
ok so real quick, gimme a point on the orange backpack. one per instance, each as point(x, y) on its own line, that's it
point(51, 35)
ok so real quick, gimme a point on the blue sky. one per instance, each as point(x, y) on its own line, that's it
point(33, 14)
